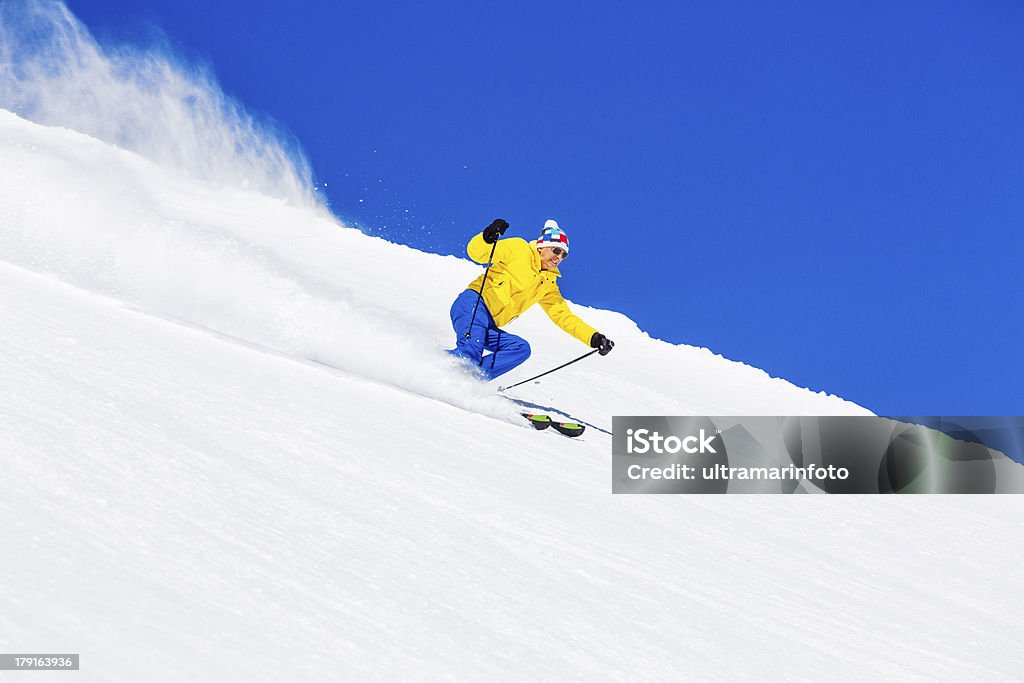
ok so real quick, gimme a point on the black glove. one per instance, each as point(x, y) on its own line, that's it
point(602, 343)
point(495, 230)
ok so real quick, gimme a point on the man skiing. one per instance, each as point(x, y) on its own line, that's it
point(520, 274)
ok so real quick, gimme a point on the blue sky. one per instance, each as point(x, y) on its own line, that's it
point(830, 191)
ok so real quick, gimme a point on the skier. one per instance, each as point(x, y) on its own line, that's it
point(520, 274)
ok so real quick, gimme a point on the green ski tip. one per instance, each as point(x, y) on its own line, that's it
point(538, 421)
point(544, 421)
point(568, 428)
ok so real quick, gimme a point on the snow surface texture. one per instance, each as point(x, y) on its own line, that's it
point(232, 448)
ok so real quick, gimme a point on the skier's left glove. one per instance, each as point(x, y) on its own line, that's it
point(602, 343)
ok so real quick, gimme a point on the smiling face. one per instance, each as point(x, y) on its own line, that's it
point(549, 260)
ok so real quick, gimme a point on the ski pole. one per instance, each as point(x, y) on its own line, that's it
point(480, 294)
point(589, 353)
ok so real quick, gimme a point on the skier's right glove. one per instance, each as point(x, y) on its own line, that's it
point(602, 343)
point(495, 230)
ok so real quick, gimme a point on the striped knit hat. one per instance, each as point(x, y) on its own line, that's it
point(552, 236)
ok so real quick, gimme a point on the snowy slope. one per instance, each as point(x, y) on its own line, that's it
point(233, 448)
point(295, 281)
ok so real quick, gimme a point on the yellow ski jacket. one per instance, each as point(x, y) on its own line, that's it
point(516, 282)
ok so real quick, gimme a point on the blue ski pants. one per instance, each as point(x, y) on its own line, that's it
point(507, 351)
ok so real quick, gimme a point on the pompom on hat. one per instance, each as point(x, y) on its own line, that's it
point(552, 236)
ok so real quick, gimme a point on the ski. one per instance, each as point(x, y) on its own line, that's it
point(539, 421)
